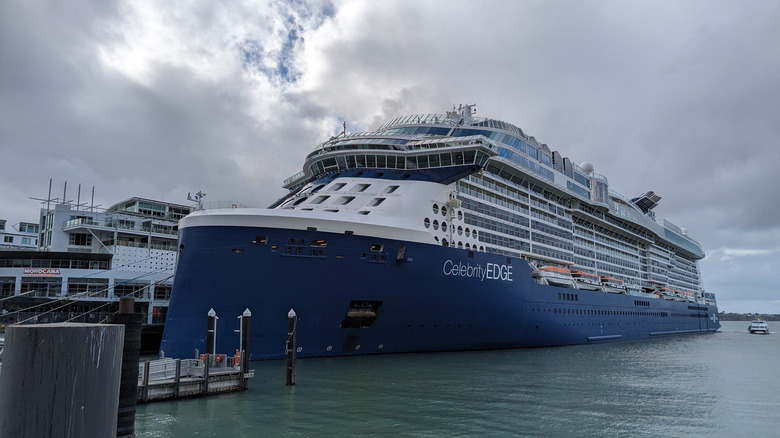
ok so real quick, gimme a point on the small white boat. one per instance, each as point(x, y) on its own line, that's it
point(758, 326)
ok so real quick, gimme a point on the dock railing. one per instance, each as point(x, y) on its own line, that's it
point(176, 378)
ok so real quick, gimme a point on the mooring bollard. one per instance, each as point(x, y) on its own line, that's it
point(292, 320)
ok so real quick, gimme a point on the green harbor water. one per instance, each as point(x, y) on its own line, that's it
point(724, 384)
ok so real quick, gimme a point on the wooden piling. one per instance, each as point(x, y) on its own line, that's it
point(206, 366)
point(211, 334)
point(131, 351)
point(61, 379)
point(177, 381)
point(292, 320)
point(145, 396)
point(246, 322)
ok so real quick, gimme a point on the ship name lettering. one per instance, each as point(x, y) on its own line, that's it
point(490, 271)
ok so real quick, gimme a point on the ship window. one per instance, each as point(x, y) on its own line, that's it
point(319, 242)
point(468, 246)
point(435, 208)
point(468, 232)
point(460, 215)
point(362, 187)
point(427, 223)
point(460, 244)
point(317, 189)
point(444, 242)
point(260, 239)
point(376, 247)
point(331, 210)
point(344, 200)
point(391, 189)
point(443, 226)
point(300, 200)
point(274, 247)
point(443, 210)
point(435, 224)
point(320, 199)
point(460, 230)
point(338, 186)
point(311, 228)
point(376, 202)
point(364, 212)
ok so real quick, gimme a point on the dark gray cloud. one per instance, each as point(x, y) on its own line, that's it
point(154, 99)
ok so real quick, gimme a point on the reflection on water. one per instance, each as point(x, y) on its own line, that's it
point(724, 384)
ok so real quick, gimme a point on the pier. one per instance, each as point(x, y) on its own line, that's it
point(170, 379)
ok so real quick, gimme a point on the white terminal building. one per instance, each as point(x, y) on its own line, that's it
point(78, 262)
point(23, 235)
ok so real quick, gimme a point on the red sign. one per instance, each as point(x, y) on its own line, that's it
point(42, 272)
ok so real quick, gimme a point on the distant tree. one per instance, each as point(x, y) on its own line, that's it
point(729, 316)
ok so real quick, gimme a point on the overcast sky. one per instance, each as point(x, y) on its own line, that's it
point(157, 99)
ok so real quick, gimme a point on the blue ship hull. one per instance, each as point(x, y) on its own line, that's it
point(429, 298)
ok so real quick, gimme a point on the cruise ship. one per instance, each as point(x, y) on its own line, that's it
point(436, 232)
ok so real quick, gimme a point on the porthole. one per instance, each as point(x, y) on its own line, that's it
point(460, 215)
point(435, 208)
point(436, 238)
point(468, 246)
point(443, 226)
point(443, 210)
point(468, 232)
point(460, 244)
point(435, 224)
point(460, 230)
point(444, 242)
point(427, 223)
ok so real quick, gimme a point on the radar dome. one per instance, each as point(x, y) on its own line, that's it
point(587, 167)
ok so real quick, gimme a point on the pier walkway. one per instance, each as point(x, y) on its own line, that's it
point(169, 379)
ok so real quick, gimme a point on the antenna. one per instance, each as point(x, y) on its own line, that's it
point(197, 198)
point(48, 199)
